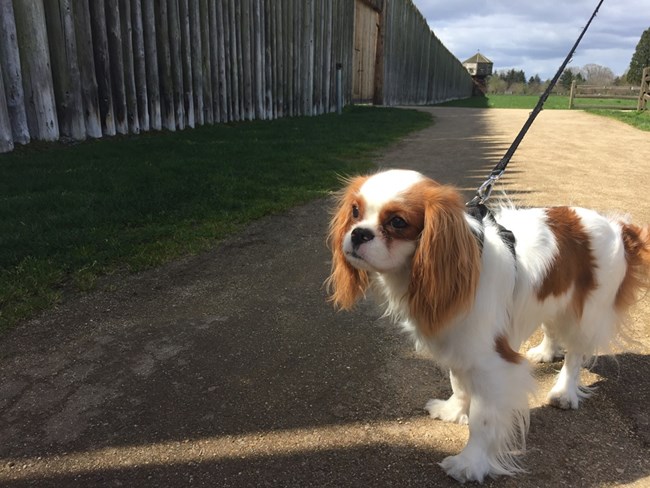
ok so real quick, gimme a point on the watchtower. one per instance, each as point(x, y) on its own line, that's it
point(480, 68)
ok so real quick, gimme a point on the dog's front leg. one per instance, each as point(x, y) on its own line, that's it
point(498, 421)
point(456, 408)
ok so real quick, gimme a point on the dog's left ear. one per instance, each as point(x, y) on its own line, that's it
point(446, 265)
point(346, 284)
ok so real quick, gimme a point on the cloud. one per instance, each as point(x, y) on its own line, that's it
point(536, 36)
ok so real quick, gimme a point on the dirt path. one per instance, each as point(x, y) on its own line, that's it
point(229, 369)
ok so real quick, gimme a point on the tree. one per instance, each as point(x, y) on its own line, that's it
point(535, 80)
point(512, 76)
point(640, 58)
point(496, 84)
point(566, 79)
point(596, 74)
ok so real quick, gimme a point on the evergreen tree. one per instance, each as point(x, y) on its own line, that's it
point(566, 78)
point(640, 58)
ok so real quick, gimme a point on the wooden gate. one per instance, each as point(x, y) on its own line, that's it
point(366, 30)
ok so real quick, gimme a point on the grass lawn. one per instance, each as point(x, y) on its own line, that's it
point(640, 120)
point(72, 213)
point(510, 101)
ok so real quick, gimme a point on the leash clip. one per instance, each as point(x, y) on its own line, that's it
point(485, 190)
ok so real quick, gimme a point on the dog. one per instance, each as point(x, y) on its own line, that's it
point(471, 285)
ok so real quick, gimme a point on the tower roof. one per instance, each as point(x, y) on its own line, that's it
point(477, 58)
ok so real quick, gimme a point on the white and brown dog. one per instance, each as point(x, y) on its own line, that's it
point(471, 287)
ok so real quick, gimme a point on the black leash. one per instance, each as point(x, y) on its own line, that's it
point(484, 191)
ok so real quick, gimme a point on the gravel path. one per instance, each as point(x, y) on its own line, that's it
point(230, 369)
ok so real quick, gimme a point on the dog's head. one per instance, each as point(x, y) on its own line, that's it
point(399, 222)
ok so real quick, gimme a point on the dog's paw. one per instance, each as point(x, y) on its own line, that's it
point(466, 468)
point(568, 398)
point(541, 354)
point(452, 410)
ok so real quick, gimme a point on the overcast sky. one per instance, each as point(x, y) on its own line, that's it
point(536, 35)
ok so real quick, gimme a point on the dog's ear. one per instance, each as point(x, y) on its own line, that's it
point(346, 284)
point(446, 265)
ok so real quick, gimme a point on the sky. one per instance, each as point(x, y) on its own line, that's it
point(536, 35)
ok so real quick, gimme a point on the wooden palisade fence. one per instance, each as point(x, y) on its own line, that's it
point(417, 67)
point(72, 69)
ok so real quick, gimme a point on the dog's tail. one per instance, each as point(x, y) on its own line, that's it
point(636, 242)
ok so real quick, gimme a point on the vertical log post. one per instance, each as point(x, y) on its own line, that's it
point(132, 115)
point(186, 62)
point(6, 139)
point(35, 62)
point(176, 66)
point(12, 74)
point(139, 64)
point(116, 64)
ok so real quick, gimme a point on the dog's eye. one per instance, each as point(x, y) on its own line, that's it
point(355, 211)
point(398, 223)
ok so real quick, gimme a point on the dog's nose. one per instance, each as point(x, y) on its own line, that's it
point(361, 235)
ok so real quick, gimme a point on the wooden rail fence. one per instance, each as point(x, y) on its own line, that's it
point(644, 93)
point(72, 69)
point(592, 92)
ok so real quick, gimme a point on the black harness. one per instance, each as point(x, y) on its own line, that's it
point(480, 212)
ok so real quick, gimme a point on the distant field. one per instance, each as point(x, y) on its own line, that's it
point(509, 101)
point(640, 120)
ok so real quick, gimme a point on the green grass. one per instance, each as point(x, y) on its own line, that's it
point(509, 101)
point(640, 120)
point(72, 213)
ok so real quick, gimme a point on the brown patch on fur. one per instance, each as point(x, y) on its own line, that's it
point(447, 263)
point(636, 242)
point(507, 353)
point(574, 263)
point(346, 284)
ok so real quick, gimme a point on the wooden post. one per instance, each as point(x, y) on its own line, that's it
point(327, 55)
point(644, 91)
point(246, 58)
point(165, 67)
point(214, 61)
point(572, 94)
point(279, 50)
point(139, 65)
point(224, 111)
point(86, 61)
point(289, 64)
point(35, 62)
point(378, 83)
point(6, 139)
point(151, 59)
point(208, 114)
point(65, 70)
point(238, 28)
point(258, 56)
point(227, 54)
point(186, 61)
point(132, 115)
point(176, 66)
point(197, 72)
point(12, 74)
point(233, 61)
point(102, 66)
point(269, 25)
point(116, 65)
